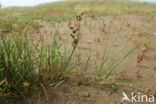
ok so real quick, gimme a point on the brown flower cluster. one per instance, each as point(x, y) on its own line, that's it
point(76, 30)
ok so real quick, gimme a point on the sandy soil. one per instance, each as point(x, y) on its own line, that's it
point(96, 33)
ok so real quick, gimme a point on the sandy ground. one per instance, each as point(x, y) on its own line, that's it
point(96, 33)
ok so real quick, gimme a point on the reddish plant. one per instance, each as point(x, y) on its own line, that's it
point(104, 28)
point(149, 91)
point(128, 25)
point(138, 74)
point(134, 93)
point(155, 92)
point(142, 56)
point(139, 60)
point(154, 69)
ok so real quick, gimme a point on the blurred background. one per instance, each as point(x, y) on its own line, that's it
point(8, 3)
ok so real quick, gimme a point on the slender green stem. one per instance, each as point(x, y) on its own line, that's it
point(114, 67)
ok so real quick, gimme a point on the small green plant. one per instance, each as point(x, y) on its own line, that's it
point(18, 74)
point(81, 75)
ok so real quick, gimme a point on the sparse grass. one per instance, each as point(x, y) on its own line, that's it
point(25, 65)
point(65, 10)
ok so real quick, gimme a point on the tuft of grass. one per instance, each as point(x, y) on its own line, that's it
point(18, 66)
point(26, 65)
point(81, 75)
point(118, 62)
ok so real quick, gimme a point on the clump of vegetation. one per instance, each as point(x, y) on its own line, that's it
point(26, 65)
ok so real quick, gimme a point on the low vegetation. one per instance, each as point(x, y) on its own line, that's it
point(28, 63)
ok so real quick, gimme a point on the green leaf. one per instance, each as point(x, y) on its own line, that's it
point(26, 84)
point(2, 82)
